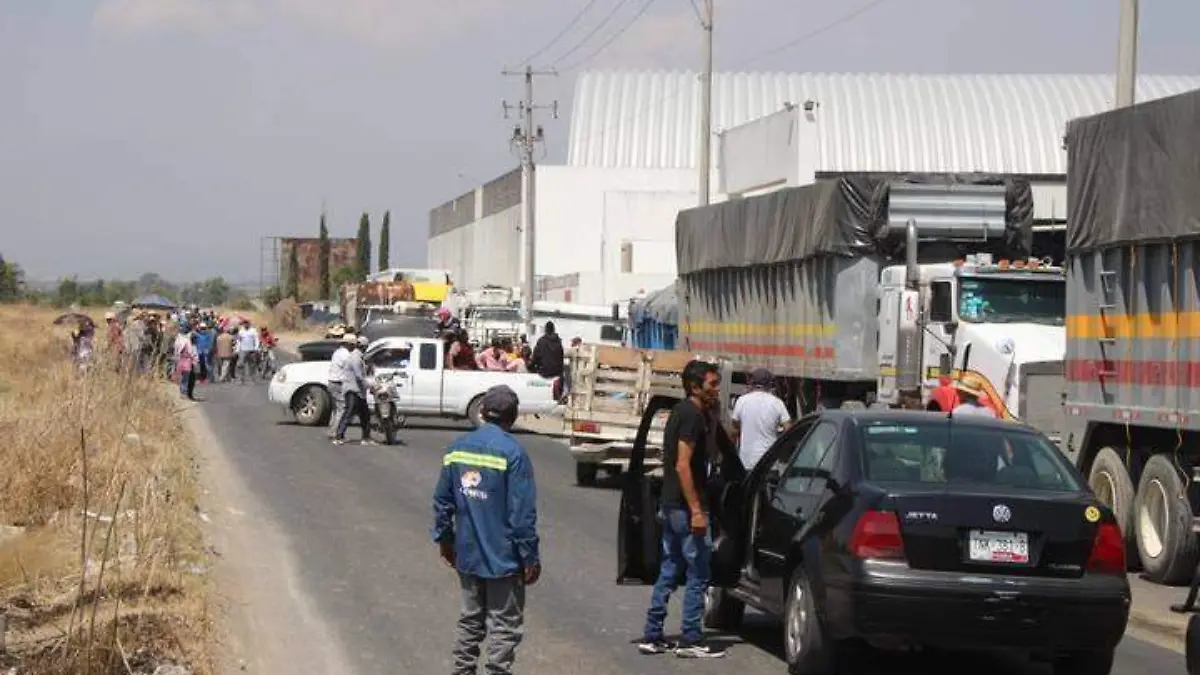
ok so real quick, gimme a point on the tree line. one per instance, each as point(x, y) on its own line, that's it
point(335, 279)
point(104, 292)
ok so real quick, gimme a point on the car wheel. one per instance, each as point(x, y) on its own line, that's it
point(475, 412)
point(1084, 663)
point(1192, 645)
point(1166, 543)
point(1111, 482)
point(310, 405)
point(806, 648)
point(585, 474)
point(722, 611)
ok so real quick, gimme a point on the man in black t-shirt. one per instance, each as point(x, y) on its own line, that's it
point(687, 547)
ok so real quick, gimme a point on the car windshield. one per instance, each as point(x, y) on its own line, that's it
point(1011, 300)
point(941, 452)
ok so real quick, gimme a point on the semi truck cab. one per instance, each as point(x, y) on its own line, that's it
point(997, 324)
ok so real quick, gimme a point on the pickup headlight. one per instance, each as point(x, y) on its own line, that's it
point(281, 377)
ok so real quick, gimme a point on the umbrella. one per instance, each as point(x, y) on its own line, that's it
point(81, 319)
point(153, 302)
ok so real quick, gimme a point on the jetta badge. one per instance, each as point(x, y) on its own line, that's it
point(1001, 513)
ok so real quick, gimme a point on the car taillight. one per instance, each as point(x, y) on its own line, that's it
point(1108, 550)
point(877, 535)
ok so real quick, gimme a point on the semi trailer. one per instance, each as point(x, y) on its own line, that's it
point(868, 290)
point(1133, 323)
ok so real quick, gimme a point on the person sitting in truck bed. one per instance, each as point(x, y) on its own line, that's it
point(494, 357)
point(461, 355)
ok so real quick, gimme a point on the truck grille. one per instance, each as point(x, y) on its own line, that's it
point(1041, 397)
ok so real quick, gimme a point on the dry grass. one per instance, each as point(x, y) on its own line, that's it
point(109, 573)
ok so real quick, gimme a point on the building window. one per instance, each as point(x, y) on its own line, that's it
point(627, 257)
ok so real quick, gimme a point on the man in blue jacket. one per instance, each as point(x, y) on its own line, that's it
point(485, 523)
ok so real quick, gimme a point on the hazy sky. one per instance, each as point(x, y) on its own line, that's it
point(171, 135)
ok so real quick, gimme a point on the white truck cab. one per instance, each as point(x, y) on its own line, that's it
point(427, 388)
point(999, 324)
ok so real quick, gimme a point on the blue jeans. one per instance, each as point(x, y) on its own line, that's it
point(685, 557)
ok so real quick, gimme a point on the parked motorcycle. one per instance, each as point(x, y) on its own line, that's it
point(383, 396)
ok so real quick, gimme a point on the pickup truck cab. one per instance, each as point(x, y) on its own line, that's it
point(427, 388)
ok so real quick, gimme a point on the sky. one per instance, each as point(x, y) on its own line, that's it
point(174, 135)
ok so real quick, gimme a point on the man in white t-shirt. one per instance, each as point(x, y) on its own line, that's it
point(758, 417)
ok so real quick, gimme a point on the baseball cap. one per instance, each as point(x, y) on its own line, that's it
point(761, 377)
point(500, 402)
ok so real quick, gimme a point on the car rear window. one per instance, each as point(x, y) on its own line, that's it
point(940, 452)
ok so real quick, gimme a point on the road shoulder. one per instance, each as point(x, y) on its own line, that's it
point(267, 623)
point(1151, 618)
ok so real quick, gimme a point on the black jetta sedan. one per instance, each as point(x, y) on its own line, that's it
point(903, 529)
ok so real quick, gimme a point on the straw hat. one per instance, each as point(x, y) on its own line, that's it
point(969, 388)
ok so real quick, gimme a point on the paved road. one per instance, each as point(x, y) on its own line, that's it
point(358, 518)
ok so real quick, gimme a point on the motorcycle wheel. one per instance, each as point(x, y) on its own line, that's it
point(389, 432)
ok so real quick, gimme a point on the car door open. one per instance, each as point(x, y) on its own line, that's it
point(639, 531)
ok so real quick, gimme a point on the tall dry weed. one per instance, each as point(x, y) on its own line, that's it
point(97, 469)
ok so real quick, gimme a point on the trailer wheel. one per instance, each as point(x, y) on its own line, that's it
point(1111, 482)
point(1165, 539)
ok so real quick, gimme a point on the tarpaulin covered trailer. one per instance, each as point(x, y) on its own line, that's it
point(789, 280)
point(1133, 325)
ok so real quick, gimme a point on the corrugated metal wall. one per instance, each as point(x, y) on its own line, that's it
point(1141, 354)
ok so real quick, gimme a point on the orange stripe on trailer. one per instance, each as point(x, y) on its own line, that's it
point(1162, 325)
point(818, 353)
point(742, 328)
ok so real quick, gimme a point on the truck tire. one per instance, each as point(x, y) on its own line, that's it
point(585, 474)
point(1163, 511)
point(311, 406)
point(1111, 482)
point(475, 412)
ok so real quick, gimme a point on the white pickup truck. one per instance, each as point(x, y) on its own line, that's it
point(427, 388)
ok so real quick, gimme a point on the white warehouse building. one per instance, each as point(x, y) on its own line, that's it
point(606, 219)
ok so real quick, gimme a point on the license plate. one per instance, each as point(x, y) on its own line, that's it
point(998, 547)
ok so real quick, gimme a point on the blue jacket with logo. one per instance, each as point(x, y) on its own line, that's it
point(486, 501)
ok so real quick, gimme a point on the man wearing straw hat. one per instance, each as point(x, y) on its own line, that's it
point(971, 399)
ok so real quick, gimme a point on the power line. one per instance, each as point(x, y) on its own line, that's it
point(815, 33)
point(571, 24)
point(774, 50)
point(596, 29)
point(611, 39)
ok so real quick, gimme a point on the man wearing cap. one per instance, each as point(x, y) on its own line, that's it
point(354, 388)
point(485, 525)
point(758, 418)
point(338, 365)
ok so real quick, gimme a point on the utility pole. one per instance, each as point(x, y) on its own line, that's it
point(704, 161)
point(525, 137)
point(1127, 55)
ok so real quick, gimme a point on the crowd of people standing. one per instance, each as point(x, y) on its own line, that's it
point(186, 346)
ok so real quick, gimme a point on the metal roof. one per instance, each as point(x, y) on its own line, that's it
point(867, 122)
